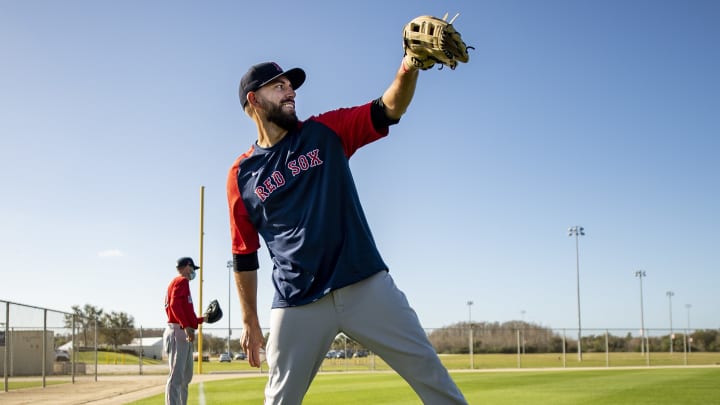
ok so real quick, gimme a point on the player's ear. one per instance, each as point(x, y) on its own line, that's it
point(253, 104)
point(252, 100)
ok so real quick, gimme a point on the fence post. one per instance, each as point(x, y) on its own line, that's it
point(563, 352)
point(519, 361)
point(140, 357)
point(73, 357)
point(96, 348)
point(345, 357)
point(647, 349)
point(44, 346)
point(472, 351)
point(6, 353)
point(607, 349)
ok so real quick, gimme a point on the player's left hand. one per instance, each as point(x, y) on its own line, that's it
point(252, 342)
point(190, 334)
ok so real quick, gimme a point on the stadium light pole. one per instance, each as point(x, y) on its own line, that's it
point(470, 341)
point(578, 231)
point(672, 336)
point(640, 274)
point(230, 268)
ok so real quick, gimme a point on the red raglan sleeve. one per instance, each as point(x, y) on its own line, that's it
point(181, 304)
point(243, 234)
point(353, 126)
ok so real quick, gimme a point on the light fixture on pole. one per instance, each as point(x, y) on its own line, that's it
point(578, 231)
point(470, 340)
point(640, 274)
point(230, 269)
point(672, 335)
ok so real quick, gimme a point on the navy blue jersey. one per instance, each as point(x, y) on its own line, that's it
point(300, 197)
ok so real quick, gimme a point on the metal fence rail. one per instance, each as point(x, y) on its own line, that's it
point(31, 344)
point(41, 345)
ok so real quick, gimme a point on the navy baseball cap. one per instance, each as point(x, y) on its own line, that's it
point(263, 73)
point(184, 261)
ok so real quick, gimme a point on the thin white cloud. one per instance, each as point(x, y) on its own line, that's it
point(111, 253)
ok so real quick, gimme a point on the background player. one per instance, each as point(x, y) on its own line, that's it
point(180, 332)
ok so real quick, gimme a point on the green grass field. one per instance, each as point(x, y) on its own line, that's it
point(452, 361)
point(608, 386)
point(114, 358)
point(32, 383)
point(497, 380)
point(456, 361)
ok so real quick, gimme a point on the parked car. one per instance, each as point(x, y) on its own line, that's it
point(240, 356)
point(62, 355)
point(224, 357)
point(360, 353)
point(205, 357)
point(331, 354)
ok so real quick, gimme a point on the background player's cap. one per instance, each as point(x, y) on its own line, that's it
point(184, 261)
point(263, 73)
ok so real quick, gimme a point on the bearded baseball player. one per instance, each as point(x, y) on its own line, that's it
point(294, 188)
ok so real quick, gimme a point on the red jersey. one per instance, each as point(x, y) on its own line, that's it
point(179, 305)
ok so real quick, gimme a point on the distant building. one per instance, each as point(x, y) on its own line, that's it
point(152, 347)
point(25, 348)
point(68, 347)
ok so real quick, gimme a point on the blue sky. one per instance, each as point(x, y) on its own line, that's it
point(113, 115)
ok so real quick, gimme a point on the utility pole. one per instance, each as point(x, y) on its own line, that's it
point(640, 274)
point(578, 231)
point(672, 336)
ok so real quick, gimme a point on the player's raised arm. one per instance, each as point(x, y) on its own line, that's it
point(398, 95)
point(427, 41)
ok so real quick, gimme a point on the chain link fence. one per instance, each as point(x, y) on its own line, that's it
point(40, 346)
point(37, 345)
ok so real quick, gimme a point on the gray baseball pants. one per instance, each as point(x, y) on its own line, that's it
point(373, 312)
point(180, 360)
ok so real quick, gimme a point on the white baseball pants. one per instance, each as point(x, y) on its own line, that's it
point(180, 360)
point(373, 312)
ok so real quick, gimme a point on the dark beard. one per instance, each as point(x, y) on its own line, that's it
point(275, 114)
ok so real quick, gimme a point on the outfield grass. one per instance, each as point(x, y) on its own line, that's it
point(602, 387)
point(114, 358)
point(451, 361)
point(499, 361)
point(547, 360)
point(31, 383)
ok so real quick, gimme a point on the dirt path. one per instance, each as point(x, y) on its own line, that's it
point(107, 390)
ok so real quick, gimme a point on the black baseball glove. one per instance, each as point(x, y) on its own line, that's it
point(213, 313)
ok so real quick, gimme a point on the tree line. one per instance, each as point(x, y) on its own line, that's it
point(509, 337)
point(115, 329)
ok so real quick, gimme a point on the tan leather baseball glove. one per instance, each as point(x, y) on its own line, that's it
point(428, 40)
